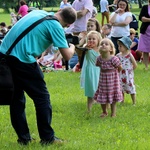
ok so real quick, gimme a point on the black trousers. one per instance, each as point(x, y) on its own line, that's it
point(29, 78)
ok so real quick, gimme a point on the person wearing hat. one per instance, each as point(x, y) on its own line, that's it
point(128, 65)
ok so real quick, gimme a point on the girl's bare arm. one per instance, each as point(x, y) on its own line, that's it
point(133, 61)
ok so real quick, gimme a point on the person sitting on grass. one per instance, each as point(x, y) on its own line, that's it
point(135, 52)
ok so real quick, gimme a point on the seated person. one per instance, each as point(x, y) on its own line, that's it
point(3, 28)
point(106, 31)
point(136, 53)
point(51, 58)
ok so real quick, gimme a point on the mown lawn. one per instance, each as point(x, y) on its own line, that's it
point(82, 131)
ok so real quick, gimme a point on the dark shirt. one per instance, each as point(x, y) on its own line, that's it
point(144, 25)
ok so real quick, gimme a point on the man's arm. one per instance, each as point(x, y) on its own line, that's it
point(67, 53)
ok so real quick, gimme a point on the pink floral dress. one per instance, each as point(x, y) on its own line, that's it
point(127, 74)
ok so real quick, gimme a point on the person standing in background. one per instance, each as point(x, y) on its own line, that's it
point(65, 4)
point(23, 10)
point(144, 39)
point(120, 20)
point(84, 10)
point(104, 10)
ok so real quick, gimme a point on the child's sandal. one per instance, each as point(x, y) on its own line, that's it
point(103, 115)
point(113, 115)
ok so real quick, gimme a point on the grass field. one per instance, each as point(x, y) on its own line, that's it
point(82, 131)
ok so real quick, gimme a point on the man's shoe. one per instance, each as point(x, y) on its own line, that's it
point(55, 140)
point(24, 141)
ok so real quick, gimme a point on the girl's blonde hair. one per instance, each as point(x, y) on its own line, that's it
point(99, 37)
point(113, 52)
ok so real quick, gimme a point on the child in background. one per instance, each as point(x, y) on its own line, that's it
point(128, 64)
point(13, 18)
point(51, 58)
point(90, 72)
point(135, 52)
point(109, 90)
point(92, 25)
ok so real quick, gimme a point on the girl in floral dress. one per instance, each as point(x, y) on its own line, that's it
point(109, 90)
point(128, 64)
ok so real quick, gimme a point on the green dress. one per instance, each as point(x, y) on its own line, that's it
point(90, 73)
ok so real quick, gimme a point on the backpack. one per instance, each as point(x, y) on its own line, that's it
point(134, 23)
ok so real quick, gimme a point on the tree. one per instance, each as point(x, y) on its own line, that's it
point(6, 4)
point(15, 4)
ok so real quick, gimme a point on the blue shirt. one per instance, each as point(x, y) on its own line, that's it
point(136, 46)
point(37, 40)
point(65, 5)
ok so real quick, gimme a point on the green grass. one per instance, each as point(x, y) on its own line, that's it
point(82, 131)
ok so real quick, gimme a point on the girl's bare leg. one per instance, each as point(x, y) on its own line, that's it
point(113, 109)
point(108, 106)
point(123, 97)
point(133, 99)
point(104, 109)
point(90, 102)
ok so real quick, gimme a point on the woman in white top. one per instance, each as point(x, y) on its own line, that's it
point(120, 20)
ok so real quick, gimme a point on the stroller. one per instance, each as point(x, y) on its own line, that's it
point(134, 24)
